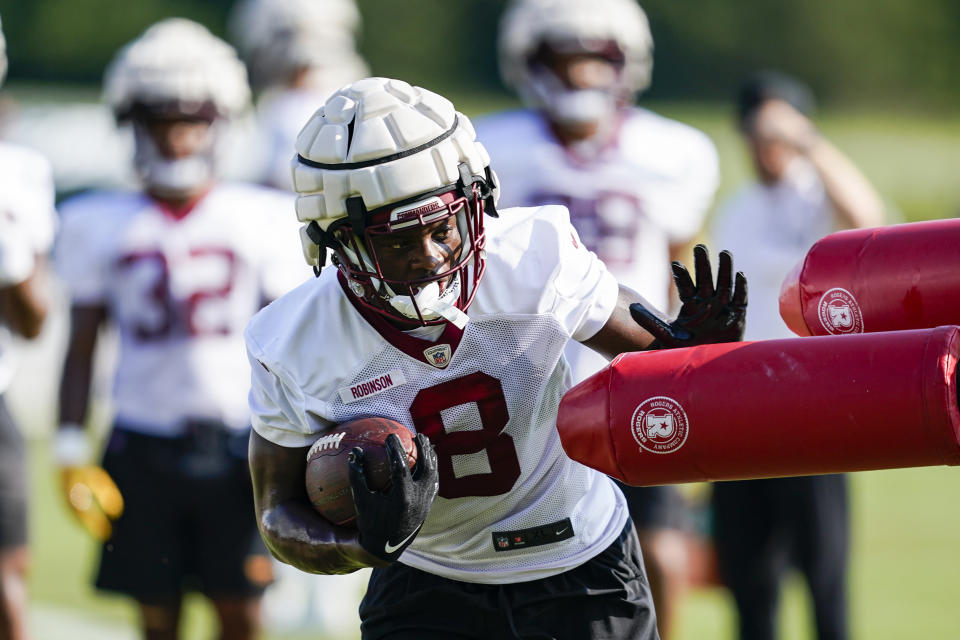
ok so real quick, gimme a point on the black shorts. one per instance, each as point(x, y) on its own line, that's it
point(606, 597)
point(660, 507)
point(188, 521)
point(13, 483)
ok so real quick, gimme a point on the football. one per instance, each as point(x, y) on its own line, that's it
point(328, 474)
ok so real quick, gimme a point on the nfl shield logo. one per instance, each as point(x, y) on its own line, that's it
point(502, 542)
point(840, 316)
point(659, 426)
point(438, 355)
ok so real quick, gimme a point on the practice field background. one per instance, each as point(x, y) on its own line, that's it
point(906, 561)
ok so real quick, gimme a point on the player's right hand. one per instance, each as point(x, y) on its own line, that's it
point(90, 492)
point(389, 521)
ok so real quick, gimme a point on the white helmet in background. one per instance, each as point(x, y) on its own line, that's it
point(382, 156)
point(177, 65)
point(175, 70)
point(615, 29)
point(279, 38)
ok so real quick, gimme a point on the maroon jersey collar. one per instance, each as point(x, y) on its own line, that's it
point(416, 348)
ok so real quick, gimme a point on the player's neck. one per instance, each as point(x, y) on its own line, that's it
point(572, 134)
point(179, 206)
point(586, 139)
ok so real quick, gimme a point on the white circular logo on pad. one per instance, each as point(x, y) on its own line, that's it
point(660, 425)
point(839, 312)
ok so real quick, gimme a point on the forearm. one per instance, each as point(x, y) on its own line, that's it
point(75, 386)
point(621, 333)
point(75, 382)
point(293, 531)
point(24, 306)
point(297, 536)
point(854, 199)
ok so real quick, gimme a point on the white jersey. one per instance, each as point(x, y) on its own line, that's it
point(180, 291)
point(487, 397)
point(650, 188)
point(769, 229)
point(27, 225)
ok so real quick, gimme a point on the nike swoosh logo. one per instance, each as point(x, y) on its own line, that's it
point(560, 532)
point(389, 548)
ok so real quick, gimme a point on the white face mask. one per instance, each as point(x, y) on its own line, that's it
point(572, 106)
point(433, 304)
point(167, 177)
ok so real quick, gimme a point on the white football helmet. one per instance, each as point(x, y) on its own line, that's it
point(176, 69)
point(177, 66)
point(276, 38)
point(382, 156)
point(615, 29)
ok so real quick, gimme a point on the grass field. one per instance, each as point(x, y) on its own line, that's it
point(905, 523)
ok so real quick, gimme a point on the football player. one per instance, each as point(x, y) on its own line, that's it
point(805, 188)
point(177, 269)
point(27, 223)
point(465, 313)
point(637, 185)
point(297, 52)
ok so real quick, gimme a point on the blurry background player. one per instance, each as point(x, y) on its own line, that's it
point(297, 53)
point(805, 189)
point(637, 185)
point(27, 222)
point(177, 269)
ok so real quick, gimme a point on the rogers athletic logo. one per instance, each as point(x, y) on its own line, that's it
point(660, 425)
point(839, 312)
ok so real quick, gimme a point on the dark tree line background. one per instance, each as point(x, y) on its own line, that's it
point(891, 54)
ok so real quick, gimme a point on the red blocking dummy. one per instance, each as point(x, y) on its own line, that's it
point(905, 276)
point(772, 408)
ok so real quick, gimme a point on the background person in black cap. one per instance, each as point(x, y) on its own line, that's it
point(805, 189)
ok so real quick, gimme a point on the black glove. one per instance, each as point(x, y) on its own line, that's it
point(707, 314)
point(389, 521)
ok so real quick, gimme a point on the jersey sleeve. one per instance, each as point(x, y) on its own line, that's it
point(579, 291)
point(39, 215)
point(80, 255)
point(277, 404)
point(27, 218)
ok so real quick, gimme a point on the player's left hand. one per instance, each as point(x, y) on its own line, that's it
point(708, 313)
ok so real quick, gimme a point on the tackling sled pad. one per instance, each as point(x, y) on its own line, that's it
point(904, 276)
point(770, 408)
